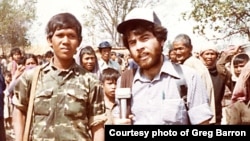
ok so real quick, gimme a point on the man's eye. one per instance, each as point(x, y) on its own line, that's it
point(72, 36)
point(131, 43)
point(145, 38)
point(59, 35)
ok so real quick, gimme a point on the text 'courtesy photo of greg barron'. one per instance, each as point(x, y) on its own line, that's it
point(160, 132)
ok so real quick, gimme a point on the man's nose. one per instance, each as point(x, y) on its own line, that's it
point(139, 45)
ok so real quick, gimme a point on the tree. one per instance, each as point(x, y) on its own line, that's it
point(229, 18)
point(15, 20)
point(105, 15)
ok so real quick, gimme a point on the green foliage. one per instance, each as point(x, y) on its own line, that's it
point(227, 17)
point(15, 20)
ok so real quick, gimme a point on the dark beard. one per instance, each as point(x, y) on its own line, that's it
point(154, 62)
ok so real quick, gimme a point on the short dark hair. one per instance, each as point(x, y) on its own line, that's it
point(240, 58)
point(110, 74)
point(139, 27)
point(49, 54)
point(15, 50)
point(24, 58)
point(87, 50)
point(63, 21)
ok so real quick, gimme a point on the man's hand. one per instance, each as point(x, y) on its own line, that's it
point(123, 121)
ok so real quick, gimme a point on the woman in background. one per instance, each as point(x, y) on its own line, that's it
point(88, 60)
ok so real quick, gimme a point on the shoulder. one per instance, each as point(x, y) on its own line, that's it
point(86, 76)
point(29, 74)
point(193, 61)
point(191, 76)
point(176, 70)
point(187, 69)
point(197, 65)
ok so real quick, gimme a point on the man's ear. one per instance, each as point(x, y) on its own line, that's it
point(49, 42)
point(80, 40)
point(162, 43)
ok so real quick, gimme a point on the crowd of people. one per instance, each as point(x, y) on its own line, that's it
point(70, 93)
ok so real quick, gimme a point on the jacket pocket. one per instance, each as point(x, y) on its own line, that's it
point(75, 104)
point(42, 101)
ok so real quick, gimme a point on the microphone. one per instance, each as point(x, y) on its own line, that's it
point(123, 95)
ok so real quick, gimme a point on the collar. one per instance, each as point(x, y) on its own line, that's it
point(167, 68)
point(102, 62)
point(51, 66)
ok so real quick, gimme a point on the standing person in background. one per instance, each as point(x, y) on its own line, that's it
point(121, 61)
point(238, 112)
point(113, 56)
point(172, 55)
point(4, 63)
point(15, 54)
point(8, 108)
point(237, 64)
point(209, 56)
point(156, 96)
point(230, 63)
point(225, 64)
point(2, 128)
point(183, 49)
point(48, 55)
point(105, 60)
point(86, 57)
point(109, 80)
point(27, 62)
point(131, 63)
point(68, 100)
point(117, 57)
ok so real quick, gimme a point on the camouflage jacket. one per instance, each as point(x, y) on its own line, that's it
point(66, 105)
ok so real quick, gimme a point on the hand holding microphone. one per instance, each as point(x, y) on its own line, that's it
point(123, 95)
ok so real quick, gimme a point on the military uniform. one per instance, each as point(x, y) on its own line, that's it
point(67, 103)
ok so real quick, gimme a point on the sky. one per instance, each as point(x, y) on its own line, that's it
point(45, 10)
point(48, 8)
point(168, 11)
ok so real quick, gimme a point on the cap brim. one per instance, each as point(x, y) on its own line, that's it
point(121, 28)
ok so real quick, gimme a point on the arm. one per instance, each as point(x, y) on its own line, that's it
point(222, 61)
point(120, 121)
point(15, 78)
point(11, 86)
point(20, 102)
point(18, 123)
point(98, 132)
point(241, 89)
point(96, 110)
point(225, 57)
point(200, 111)
point(221, 67)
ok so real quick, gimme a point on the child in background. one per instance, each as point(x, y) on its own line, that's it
point(8, 107)
point(238, 62)
point(238, 112)
point(16, 55)
point(109, 78)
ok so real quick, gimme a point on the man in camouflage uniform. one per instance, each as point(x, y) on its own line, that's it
point(68, 103)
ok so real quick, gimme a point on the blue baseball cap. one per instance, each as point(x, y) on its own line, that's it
point(104, 44)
